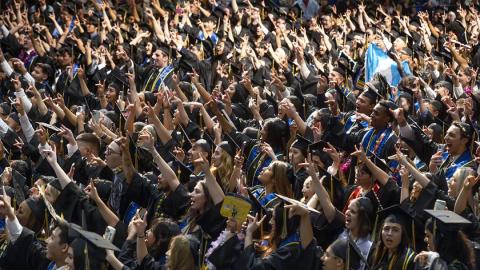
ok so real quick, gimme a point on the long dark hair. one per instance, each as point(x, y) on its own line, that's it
point(453, 245)
point(275, 236)
point(163, 229)
point(277, 134)
point(365, 216)
point(380, 248)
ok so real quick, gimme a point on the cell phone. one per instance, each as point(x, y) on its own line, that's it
point(96, 116)
point(109, 233)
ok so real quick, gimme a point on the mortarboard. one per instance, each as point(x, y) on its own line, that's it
point(227, 147)
point(302, 144)
point(38, 207)
point(379, 86)
point(75, 231)
point(18, 181)
point(51, 127)
point(119, 78)
point(348, 251)
point(164, 48)
point(317, 150)
point(446, 220)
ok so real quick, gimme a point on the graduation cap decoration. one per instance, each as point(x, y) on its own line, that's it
point(236, 206)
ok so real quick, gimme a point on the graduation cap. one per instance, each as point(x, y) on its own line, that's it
point(446, 221)
point(295, 202)
point(302, 144)
point(18, 181)
point(48, 126)
point(88, 247)
point(75, 232)
point(397, 214)
point(348, 251)
point(227, 147)
point(164, 48)
point(38, 208)
point(119, 78)
point(316, 149)
point(236, 206)
point(379, 85)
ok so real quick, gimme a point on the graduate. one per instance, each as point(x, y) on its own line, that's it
point(392, 247)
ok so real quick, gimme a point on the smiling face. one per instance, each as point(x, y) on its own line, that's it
point(455, 143)
point(391, 235)
point(379, 117)
point(23, 213)
point(160, 59)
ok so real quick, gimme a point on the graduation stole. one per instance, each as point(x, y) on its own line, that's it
point(351, 121)
point(259, 194)
point(379, 138)
point(293, 239)
point(450, 167)
point(162, 75)
point(256, 161)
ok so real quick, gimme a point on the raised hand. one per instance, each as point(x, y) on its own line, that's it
point(254, 223)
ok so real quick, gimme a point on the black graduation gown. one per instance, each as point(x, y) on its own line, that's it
point(27, 252)
point(292, 256)
point(84, 172)
point(72, 202)
point(300, 178)
point(225, 256)
point(403, 261)
point(147, 195)
point(326, 232)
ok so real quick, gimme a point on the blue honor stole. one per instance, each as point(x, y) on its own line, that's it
point(293, 239)
point(463, 160)
point(162, 75)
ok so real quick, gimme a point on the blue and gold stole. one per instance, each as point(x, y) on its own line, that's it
point(449, 167)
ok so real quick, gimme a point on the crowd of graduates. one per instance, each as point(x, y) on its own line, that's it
point(239, 134)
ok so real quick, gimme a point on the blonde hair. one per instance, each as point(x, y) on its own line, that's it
point(224, 171)
point(181, 257)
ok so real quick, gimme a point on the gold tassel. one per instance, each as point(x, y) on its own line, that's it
point(87, 260)
point(284, 225)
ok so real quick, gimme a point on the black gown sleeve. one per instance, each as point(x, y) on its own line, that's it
point(287, 257)
point(226, 255)
point(25, 253)
point(212, 222)
point(422, 145)
point(140, 191)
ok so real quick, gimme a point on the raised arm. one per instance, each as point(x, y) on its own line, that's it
point(213, 187)
point(322, 194)
point(146, 139)
point(380, 175)
point(108, 215)
point(51, 157)
point(465, 194)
